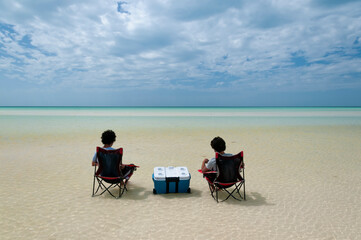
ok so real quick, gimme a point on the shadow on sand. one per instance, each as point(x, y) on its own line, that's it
point(192, 194)
point(136, 193)
point(140, 193)
point(252, 199)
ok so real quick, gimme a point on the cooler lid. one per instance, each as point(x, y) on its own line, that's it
point(159, 173)
point(171, 172)
point(183, 173)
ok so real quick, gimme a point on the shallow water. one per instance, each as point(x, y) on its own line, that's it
point(23, 120)
point(300, 174)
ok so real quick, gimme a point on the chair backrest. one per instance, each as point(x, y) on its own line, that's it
point(228, 168)
point(110, 162)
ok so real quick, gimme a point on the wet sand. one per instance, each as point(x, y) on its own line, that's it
point(301, 183)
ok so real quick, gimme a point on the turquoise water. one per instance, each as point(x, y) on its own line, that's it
point(172, 110)
point(67, 119)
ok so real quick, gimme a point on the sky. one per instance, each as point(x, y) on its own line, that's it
point(180, 53)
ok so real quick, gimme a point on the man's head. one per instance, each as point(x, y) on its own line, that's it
point(108, 137)
point(218, 144)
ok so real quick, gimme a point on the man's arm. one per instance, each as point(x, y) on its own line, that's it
point(203, 167)
point(94, 160)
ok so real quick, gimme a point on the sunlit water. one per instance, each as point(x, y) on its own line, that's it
point(69, 119)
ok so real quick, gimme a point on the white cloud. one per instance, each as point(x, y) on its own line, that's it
point(190, 44)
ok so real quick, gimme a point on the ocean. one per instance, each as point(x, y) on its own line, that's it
point(23, 120)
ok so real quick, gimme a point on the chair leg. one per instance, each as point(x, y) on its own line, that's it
point(230, 194)
point(244, 190)
point(234, 191)
point(244, 184)
point(102, 186)
point(95, 168)
point(106, 189)
point(216, 195)
point(125, 184)
point(93, 186)
point(120, 190)
point(99, 187)
point(212, 189)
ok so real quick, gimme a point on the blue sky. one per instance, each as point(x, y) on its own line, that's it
point(180, 53)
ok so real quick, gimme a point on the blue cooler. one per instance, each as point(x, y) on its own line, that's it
point(171, 180)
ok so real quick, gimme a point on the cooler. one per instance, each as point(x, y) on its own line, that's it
point(171, 180)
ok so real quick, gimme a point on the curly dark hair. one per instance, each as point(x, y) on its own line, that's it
point(218, 144)
point(108, 137)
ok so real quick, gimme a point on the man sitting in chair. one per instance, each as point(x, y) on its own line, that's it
point(219, 146)
point(108, 139)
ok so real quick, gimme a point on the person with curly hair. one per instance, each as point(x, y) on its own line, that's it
point(219, 146)
point(108, 139)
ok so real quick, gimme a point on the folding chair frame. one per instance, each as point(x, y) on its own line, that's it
point(105, 183)
point(118, 182)
point(216, 186)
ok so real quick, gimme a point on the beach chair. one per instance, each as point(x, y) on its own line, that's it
point(228, 178)
point(109, 174)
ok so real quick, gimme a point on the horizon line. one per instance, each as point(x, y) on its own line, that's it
point(180, 106)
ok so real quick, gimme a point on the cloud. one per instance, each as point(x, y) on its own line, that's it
point(193, 45)
point(332, 3)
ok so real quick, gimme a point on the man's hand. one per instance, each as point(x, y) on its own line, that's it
point(203, 167)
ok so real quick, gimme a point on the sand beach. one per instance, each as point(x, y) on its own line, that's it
point(302, 180)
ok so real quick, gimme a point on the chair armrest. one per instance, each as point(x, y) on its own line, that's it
point(130, 165)
point(200, 171)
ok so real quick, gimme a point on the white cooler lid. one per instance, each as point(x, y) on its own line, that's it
point(171, 172)
point(159, 173)
point(183, 173)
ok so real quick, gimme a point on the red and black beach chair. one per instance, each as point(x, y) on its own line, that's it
point(109, 172)
point(229, 173)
